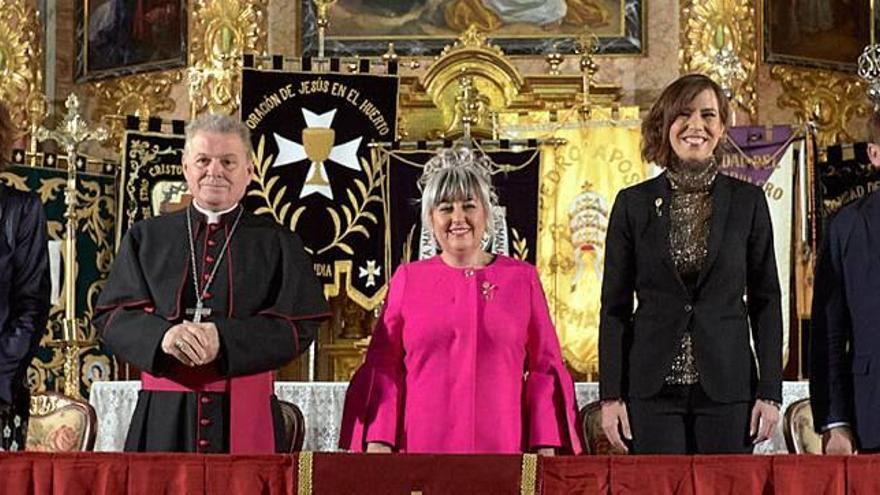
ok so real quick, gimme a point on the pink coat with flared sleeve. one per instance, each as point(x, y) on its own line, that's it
point(463, 361)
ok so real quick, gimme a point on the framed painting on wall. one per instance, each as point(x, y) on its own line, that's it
point(424, 27)
point(121, 37)
point(825, 34)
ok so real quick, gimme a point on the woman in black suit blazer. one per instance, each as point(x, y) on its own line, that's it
point(694, 248)
point(24, 296)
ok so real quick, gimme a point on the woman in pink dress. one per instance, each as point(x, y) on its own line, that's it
point(464, 358)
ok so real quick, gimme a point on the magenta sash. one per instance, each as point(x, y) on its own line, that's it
point(250, 414)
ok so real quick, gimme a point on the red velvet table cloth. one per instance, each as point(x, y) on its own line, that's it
point(325, 473)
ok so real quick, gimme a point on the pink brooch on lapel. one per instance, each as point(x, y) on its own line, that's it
point(487, 289)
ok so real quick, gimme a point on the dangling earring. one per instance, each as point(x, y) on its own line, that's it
point(486, 241)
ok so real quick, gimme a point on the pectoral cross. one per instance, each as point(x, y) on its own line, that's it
point(198, 312)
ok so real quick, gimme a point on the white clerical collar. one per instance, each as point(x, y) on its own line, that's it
point(213, 216)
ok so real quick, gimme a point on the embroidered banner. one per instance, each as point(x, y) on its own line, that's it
point(768, 157)
point(96, 214)
point(579, 181)
point(843, 174)
point(515, 178)
point(151, 176)
point(314, 172)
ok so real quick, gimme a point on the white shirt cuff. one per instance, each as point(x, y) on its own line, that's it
point(836, 424)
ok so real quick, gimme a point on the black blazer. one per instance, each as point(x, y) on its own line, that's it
point(636, 348)
point(845, 336)
point(24, 286)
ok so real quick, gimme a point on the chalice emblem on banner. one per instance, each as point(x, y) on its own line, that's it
point(319, 146)
point(318, 142)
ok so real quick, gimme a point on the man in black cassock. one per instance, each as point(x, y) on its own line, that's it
point(208, 302)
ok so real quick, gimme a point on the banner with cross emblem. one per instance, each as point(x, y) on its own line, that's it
point(314, 173)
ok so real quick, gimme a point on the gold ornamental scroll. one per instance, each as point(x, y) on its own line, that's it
point(579, 182)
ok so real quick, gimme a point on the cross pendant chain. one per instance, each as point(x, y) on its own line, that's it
point(199, 311)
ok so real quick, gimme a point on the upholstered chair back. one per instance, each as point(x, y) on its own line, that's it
point(294, 426)
point(594, 439)
point(60, 424)
point(797, 427)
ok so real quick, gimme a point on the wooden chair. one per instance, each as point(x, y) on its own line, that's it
point(797, 427)
point(594, 439)
point(60, 424)
point(294, 426)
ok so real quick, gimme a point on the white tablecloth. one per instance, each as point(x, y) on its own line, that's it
point(321, 404)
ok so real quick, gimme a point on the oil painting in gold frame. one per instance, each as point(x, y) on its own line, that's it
point(825, 34)
point(424, 27)
point(121, 37)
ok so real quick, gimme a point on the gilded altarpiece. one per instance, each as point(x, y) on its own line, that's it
point(21, 53)
point(431, 108)
point(223, 30)
point(144, 95)
point(220, 33)
point(834, 102)
point(718, 39)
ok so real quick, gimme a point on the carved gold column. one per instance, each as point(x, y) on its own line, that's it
point(21, 56)
point(222, 31)
point(718, 39)
point(833, 101)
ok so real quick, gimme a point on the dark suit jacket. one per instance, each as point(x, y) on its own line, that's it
point(636, 348)
point(845, 336)
point(24, 286)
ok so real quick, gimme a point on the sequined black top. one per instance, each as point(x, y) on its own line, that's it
point(690, 215)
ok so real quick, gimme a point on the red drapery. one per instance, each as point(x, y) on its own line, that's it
point(117, 473)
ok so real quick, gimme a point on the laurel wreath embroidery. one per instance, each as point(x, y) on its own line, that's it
point(356, 209)
point(520, 246)
point(355, 212)
point(266, 190)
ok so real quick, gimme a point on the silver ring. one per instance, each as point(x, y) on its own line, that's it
point(179, 344)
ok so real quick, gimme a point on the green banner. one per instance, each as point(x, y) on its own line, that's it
point(96, 212)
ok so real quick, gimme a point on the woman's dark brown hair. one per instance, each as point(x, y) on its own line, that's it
point(7, 135)
point(678, 95)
